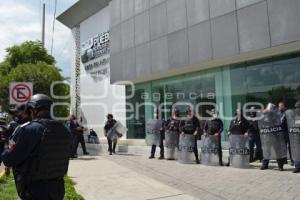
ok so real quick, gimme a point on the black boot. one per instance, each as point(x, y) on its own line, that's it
point(296, 170)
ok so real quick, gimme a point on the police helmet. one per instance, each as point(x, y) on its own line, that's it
point(40, 101)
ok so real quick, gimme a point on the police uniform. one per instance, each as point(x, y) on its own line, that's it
point(39, 154)
point(254, 139)
point(212, 127)
point(238, 127)
point(111, 144)
point(190, 126)
point(161, 143)
point(286, 134)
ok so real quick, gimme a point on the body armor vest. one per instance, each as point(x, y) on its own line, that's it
point(53, 154)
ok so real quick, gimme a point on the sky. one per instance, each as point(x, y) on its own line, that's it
point(21, 20)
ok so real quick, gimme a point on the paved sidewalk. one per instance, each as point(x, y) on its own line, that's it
point(134, 176)
point(99, 178)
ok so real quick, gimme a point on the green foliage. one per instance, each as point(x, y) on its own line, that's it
point(29, 62)
point(28, 52)
point(71, 194)
point(8, 189)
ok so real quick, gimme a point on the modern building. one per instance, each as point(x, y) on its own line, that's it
point(198, 51)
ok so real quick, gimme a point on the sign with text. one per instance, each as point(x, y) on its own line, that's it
point(95, 55)
point(20, 92)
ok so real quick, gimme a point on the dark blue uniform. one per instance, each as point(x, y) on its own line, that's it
point(24, 146)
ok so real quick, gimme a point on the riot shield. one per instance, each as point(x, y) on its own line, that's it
point(272, 136)
point(117, 131)
point(209, 151)
point(239, 151)
point(153, 132)
point(293, 119)
point(186, 149)
point(171, 144)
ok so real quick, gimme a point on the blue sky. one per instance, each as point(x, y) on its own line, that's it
point(21, 20)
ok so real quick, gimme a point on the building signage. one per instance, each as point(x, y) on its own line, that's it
point(95, 56)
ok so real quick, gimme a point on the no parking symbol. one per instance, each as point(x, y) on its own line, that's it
point(20, 93)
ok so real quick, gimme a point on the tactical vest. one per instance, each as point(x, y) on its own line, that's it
point(174, 125)
point(253, 127)
point(53, 152)
point(237, 128)
point(189, 126)
point(213, 127)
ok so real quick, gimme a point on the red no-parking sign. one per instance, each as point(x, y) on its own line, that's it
point(20, 92)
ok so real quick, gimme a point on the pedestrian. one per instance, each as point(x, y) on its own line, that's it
point(238, 126)
point(39, 153)
point(108, 126)
point(191, 126)
point(282, 108)
point(254, 137)
point(273, 137)
point(161, 131)
point(214, 127)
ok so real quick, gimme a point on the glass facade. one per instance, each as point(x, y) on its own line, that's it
point(269, 80)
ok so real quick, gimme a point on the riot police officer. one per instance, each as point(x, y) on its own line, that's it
point(238, 126)
point(39, 153)
point(172, 131)
point(282, 108)
point(254, 138)
point(293, 121)
point(191, 126)
point(161, 139)
point(214, 127)
point(273, 137)
point(108, 125)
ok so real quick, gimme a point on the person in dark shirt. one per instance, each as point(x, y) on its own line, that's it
point(254, 137)
point(77, 136)
point(214, 127)
point(191, 126)
point(238, 126)
point(282, 108)
point(161, 142)
point(108, 125)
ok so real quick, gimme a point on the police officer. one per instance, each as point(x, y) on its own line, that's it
point(161, 142)
point(238, 126)
point(191, 126)
point(293, 119)
point(273, 125)
point(282, 108)
point(108, 125)
point(39, 153)
point(172, 127)
point(214, 127)
point(20, 115)
point(254, 137)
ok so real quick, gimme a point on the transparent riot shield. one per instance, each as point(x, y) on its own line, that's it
point(239, 151)
point(171, 144)
point(209, 151)
point(186, 149)
point(117, 131)
point(272, 136)
point(293, 119)
point(153, 132)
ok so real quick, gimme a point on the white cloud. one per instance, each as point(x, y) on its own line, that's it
point(21, 21)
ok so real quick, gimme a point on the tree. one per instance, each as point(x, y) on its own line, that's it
point(28, 52)
point(29, 62)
